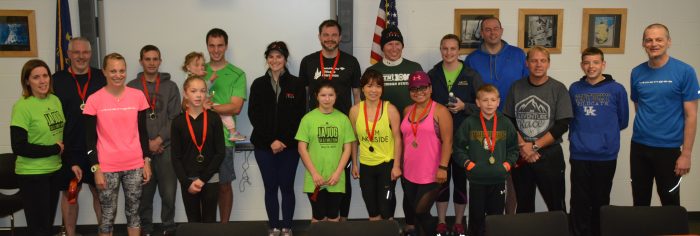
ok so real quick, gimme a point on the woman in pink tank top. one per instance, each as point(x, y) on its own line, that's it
point(427, 139)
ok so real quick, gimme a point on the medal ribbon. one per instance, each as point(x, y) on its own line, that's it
point(370, 135)
point(204, 130)
point(414, 123)
point(82, 93)
point(151, 102)
point(492, 140)
point(323, 68)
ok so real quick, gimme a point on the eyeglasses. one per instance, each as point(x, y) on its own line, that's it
point(418, 89)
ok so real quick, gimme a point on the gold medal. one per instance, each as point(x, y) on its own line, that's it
point(492, 160)
point(414, 144)
point(200, 158)
point(371, 149)
point(82, 106)
point(152, 116)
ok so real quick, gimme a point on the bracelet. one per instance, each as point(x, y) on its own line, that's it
point(442, 167)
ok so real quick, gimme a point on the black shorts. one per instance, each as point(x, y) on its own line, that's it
point(67, 175)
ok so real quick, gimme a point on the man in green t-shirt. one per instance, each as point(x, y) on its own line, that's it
point(228, 90)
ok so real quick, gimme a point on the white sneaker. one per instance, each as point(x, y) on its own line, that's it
point(286, 232)
point(274, 232)
point(236, 137)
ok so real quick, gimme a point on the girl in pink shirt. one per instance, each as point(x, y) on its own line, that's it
point(427, 139)
point(118, 145)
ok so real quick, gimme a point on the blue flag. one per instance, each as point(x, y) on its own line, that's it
point(64, 33)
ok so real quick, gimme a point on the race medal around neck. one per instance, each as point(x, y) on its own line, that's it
point(82, 93)
point(151, 101)
point(200, 157)
point(370, 134)
point(414, 122)
point(492, 140)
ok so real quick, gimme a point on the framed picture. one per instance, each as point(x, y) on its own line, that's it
point(468, 27)
point(17, 33)
point(540, 27)
point(604, 28)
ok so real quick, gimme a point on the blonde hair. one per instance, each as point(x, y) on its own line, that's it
point(192, 56)
point(186, 85)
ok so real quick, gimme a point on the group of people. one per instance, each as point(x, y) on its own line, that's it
point(393, 122)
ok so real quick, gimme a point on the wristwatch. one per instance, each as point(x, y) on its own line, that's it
point(535, 147)
point(95, 168)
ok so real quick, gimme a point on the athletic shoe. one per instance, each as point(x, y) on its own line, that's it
point(441, 229)
point(273, 232)
point(458, 230)
point(286, 232)
point(236, 137)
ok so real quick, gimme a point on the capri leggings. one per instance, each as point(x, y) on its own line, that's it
point(457, 174)
point(378, 189)
point(131, 184)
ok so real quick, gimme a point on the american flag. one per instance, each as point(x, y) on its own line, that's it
point(386, 16)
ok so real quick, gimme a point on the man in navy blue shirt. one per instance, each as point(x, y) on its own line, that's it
point(665, 94)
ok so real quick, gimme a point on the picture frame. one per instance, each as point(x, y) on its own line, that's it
point(467, 26)
point(540, 27)
point(604, 28)
point(18, 33)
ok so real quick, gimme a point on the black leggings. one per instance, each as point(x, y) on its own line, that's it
point(201, 207)
point(40, 198)
point(458, 175)
point(418, 199)
point(378, 189)
point(347, 196)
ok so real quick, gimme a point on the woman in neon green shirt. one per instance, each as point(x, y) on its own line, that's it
point(36, 133)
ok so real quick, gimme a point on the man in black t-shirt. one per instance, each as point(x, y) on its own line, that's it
point(73, 86)
point(341, 68)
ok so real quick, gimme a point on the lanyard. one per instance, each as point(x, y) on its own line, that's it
point(204, 130)
point(323, 68)
point(414, 123)
point(370, 135)
point(152, 101)
point(492, 140)
point(82, 93)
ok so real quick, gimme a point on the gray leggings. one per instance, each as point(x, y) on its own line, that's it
point(131, 184)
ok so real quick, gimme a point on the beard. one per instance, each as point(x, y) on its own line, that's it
point(329, 45)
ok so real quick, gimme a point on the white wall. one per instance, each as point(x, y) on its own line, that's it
point(180, 28)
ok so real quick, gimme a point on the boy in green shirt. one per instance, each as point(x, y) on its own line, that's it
point(486, 144)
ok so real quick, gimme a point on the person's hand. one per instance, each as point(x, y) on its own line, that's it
point(277, 146)
point(441, 176)
point(682, 164)
point(77, 172)
point(146, 171)
point(208, 103)
point(395, 173)
point(533, 157)
point(154, 145)
point(100, 180)
point(60, 144)
point(195, 186)
point(318, 179)
point(333, 180)
point(456, 107)
point(213, 77)
point(355, 172)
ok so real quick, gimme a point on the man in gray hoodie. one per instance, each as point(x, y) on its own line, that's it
point(164, 98)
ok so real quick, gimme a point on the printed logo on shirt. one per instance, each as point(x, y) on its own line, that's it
point(378, 138)
point(396, 79)
point(327, 72)
point(657, 82)
point(462, 83)
point(54, 120)
point(532, 115)
point(327, 134)
point(479, 135)
point(289, 95)
point(592, 99)
point(589, 111)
